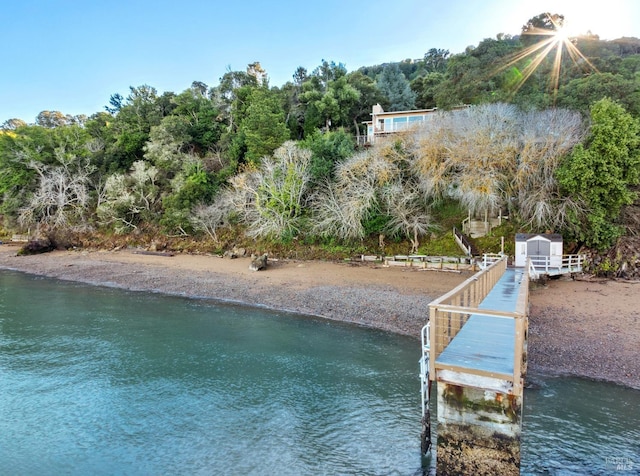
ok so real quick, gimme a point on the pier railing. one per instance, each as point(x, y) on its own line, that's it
point(553, 266)
point(451, 311)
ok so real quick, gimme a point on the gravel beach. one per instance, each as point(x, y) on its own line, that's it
point(581, 328)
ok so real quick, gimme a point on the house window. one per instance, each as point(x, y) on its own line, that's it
point(414, 119)
point(399, 123)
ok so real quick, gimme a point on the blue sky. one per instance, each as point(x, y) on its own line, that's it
point(71, 56)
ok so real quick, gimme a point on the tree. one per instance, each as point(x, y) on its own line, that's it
point(300, 76)
point(546, 137)
point(393, 84)
point(327, 98)
point(425, 88)
point(12, 124)
point(369, 95)
point(192, 186)
point(603, 172)
point(293, 108)
point(31, 152)
point(327, 150)
point(225, 94)
point(338, 102)
point(62, 196)
point(329, 71)
point(263, 126)
point(435, 60)
point(130, 199)
point(270, 200)
point(486, 73)
point(115, 101)
point(130, 128)
point(205, 124)
point(580, 94)
point(494, 155)
point(168, 144)
point(374, 191)
point(538, 28)
point(51, 119)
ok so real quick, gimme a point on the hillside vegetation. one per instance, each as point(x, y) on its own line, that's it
point(278, 168)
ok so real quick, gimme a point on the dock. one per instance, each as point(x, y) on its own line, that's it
point(474, 349)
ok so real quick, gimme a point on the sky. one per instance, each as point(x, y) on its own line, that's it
point(72, 55)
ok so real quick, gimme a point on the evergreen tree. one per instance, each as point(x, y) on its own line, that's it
point(394, 85)
point(602, 172)
point(263, 127)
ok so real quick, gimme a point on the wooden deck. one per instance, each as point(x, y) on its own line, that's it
point(542, 266)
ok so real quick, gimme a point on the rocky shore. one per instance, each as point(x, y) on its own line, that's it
point(581, 328)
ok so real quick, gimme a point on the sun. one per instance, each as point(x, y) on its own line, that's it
point(556, 38)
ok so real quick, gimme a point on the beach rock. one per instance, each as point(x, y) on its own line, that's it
point(258, 263)
point(234, 253)
point(35, 247)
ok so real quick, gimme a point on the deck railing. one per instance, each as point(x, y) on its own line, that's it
point(553, 265)
point(450, 312)
point(489, 258)
point(463, 242)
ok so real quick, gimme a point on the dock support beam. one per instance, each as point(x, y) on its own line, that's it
point(425, 434)
point(478, 430)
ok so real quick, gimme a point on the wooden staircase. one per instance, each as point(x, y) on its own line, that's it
point(465, 243)
point(476, 228)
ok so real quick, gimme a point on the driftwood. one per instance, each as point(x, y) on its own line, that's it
point(153, 253)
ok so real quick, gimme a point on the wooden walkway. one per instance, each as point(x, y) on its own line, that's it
point(487, 342)
point(474, 347)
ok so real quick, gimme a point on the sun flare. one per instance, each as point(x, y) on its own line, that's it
point(557, 40)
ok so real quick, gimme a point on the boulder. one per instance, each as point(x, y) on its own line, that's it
point(35, 247)
point(234, 253)
point(258, 262)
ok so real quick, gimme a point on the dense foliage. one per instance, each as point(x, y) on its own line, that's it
point(283, 163)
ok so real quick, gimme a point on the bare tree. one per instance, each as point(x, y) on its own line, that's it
point(495, 155)
point(126, 197)
point(339, 209)
point(209, 218)
point(378, 179)
point(482, 152)
point(547, 136)
point(270, 200)
point(408, 212)
point(61, 199)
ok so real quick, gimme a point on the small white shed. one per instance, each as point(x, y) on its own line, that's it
point(545, 250)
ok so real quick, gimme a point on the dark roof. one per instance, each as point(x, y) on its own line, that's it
point(555, 237)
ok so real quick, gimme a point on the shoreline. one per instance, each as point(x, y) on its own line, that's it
point(576, 328)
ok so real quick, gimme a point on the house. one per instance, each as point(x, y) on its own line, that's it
point(384, 123)
point(543, 249)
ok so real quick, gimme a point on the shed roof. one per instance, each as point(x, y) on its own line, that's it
point(553, 237)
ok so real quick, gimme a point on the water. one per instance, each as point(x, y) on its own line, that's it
point(101, 381)
point(576, 426)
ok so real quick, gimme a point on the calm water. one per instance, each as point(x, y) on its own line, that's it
point(101, 381)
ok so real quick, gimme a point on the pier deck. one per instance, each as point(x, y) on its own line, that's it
point(475, 346)
point(487, 342)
